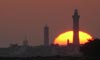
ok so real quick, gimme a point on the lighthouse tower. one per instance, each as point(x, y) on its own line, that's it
point(46, 36)
point(76, 28)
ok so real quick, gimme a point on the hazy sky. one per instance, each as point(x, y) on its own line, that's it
point(28, 17)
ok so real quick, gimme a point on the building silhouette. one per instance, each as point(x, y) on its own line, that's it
point(25, 50)
point(25, 41)
point(76, 28)
point(46, 35)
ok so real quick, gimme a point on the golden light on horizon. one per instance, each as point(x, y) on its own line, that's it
point(63, 37)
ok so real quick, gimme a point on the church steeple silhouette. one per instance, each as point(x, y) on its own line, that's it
point(76, 28)
point(25, 41)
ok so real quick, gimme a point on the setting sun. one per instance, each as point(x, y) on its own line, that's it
point(63, 37)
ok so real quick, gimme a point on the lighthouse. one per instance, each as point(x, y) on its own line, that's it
point(46, 35)
point(76, 28)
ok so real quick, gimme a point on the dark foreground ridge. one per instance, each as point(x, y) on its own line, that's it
point(39, 58)
point(49, 58)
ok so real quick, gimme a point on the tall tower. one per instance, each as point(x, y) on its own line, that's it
point(46, 36)
point(76, 28)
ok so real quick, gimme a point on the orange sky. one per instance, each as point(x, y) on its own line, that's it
point(20, 17)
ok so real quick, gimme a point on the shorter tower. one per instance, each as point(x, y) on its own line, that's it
point(46, 35)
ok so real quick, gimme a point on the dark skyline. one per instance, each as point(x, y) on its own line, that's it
point(27, 17)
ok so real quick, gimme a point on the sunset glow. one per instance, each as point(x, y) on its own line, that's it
point(63, 37)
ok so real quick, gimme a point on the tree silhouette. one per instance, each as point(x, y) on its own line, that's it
point(92, 48)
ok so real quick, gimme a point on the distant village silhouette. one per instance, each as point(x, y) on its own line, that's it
point(25, 50)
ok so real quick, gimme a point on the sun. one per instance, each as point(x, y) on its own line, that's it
point(63, 37)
